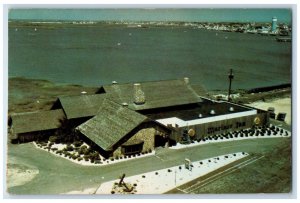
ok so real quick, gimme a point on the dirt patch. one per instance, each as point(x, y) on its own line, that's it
point(18, 174)
point(281, 105)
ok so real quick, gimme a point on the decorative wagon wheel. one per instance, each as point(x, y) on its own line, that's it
point(256, 120)
point(191, 132)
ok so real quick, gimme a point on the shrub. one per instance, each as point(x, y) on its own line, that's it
point(156, 173)
point(112, 192)
point(69, 148)
point(86, 151)
point(77, 143)
point(83, 147)
point(98, 162)
point(54, 148)
point(169, 170)
point(143, 176)
point(53, 139)
point(180, 167)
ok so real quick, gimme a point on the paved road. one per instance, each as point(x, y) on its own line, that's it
point(58, 175)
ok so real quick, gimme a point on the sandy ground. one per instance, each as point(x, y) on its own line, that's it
point(19, 174)
point(281, 105)
point(161, 181)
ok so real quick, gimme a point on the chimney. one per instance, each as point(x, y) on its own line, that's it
point(186, 80)
point(138, 94)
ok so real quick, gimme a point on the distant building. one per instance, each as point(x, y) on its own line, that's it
point(123, 119)
point(274, 24)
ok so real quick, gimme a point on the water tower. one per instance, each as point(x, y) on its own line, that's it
point(274, 24)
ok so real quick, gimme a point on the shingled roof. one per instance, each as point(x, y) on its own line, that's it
point(111, 124)
point(158, 94)
point(79, 106)
point(36, 121)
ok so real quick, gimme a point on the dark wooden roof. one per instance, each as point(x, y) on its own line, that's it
point(111, 124)
point(158, 94)
point(36, 121)
point(79, 106)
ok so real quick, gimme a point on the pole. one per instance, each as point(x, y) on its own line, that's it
point(175, 176)
point(230, 76)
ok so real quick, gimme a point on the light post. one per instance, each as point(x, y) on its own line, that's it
point(230, 76)
point(175, 176)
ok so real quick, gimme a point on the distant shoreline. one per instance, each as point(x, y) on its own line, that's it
point(38, 94)
point(247, 90)
point(263, 28)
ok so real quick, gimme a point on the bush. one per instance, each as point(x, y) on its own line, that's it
point(53, 139)
point(169, 170)
point(98, 162)
point(54, 149)
point(77, 143)
point(86, 151)
point(69, 148)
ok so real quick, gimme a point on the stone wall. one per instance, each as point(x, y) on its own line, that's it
point(146, 134)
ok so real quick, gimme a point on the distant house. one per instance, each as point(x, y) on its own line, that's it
point(132, 118)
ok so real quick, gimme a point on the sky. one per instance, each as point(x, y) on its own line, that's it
point(155, 14)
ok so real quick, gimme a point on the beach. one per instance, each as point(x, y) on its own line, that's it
point(281, 105)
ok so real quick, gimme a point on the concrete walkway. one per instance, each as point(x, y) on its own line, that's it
point(161, 181)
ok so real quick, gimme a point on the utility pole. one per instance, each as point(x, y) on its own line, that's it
point(230, 76)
